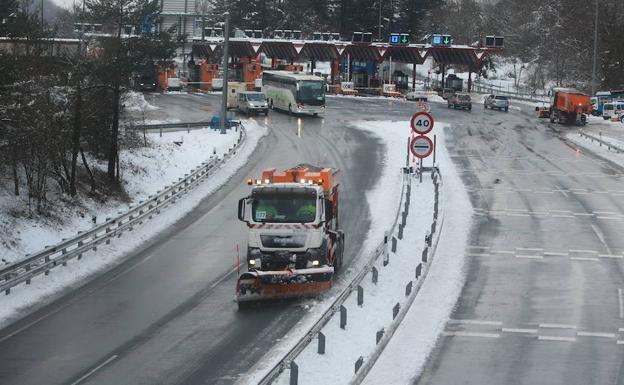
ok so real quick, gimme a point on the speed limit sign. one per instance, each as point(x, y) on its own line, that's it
point(421, 122)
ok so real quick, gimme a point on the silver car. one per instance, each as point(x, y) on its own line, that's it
point(252, 102)
point(496, 102)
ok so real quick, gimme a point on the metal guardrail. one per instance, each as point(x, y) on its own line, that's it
point(43, 261)
point(601, 141)
point(284, 363)
point(491, 88)
point(178, 126)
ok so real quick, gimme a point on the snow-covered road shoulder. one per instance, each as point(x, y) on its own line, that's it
point(167, 169)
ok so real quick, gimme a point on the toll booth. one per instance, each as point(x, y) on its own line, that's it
point(359, 64)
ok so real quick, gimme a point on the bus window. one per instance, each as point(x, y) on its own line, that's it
point(310, 92)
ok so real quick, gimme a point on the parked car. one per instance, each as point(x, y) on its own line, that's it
point(252, 102)
point(615, 108)
point(462, 101)
point(496, 102)
point(174, 84)
point(447, 93)
point(416, 95)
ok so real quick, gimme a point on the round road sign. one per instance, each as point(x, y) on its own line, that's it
point(421, 146)
point(421, 122)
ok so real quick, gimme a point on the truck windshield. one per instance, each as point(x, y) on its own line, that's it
point(282, 209)
point(311, 92)
point(255, 97)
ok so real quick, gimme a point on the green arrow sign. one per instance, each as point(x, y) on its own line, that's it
point(404, 39)
point(447, 40)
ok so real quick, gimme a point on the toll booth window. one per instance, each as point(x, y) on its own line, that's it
point(284, 209)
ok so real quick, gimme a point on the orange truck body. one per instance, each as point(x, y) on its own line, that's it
point(568, 106)
point(572, 102)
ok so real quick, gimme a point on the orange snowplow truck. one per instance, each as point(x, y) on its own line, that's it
point(568, 106)
point(295, 245)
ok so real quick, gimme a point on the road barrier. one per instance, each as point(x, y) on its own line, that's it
point(493, 89)
point(600, 141)
point(44, 261)
point(383, 336)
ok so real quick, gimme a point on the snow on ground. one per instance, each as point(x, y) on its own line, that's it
point(438, 295)
point(601, 150)
point(135, 102)
point(144, 171)
point(164, 165)
point(407, 352)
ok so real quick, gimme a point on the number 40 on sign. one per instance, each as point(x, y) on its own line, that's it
point(421, 123)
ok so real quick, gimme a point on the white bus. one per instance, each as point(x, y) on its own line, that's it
point(295, 92)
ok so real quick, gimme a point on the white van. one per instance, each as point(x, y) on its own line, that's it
point(609, 110)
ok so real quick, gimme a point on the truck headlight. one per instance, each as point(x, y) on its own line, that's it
point(315, 262)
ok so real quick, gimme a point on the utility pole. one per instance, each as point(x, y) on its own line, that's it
point(379, 29)
point(594, 80)
point(226, 42)
point(42, 13)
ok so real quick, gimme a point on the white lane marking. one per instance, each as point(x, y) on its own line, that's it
point(600, 236)
point(610, 256)
point(503, 252)
point(584, 214)
point(621, 302)
point(595, 334)
point(100, 366)
point(561, 216)
point(519, 330)
point(474, 255)
point(621, 330)
point(529, 256)
point(479, 247)
point(584, 259)
point(529, 248)
point(556, 338)
point(471, 334)
point(583, 251)
point(556, 326)
point(620, 342)
point(556, 254)
point(475, 322)
point(223, 278)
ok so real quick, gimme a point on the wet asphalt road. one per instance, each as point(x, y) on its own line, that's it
point(166, 314)
point(540, 304)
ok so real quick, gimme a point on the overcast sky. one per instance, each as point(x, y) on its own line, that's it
point(63, 3)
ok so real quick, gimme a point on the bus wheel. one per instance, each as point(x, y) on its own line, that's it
point(290, 109)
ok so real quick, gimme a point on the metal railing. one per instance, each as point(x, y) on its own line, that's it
point(493, 89)
point(178, 126)
point(601, 141)
point(52, 256)
point(380, 250)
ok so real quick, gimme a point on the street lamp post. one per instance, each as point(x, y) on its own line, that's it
point(594, 80)
point(226, 41)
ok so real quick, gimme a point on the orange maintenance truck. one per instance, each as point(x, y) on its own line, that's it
point(568, 106)
point(295, 245)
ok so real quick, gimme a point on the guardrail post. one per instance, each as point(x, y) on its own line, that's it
point(27, 267)
point(424, 254)
point(400, 231)
point(394, 245)
point(294, 373)
point(375, 275)
point(321, 343)
point(433, 227)
point(65, 252)
point(428, 239)
point(359, 363)
point(360, 295)
point(47, 260)
point(343, 317)
point(395, 310)
point(418, 270)
point(408, 289)
point(379, 335)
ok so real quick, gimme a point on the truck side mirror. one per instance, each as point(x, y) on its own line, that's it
point(241, 209)
point(329, 210)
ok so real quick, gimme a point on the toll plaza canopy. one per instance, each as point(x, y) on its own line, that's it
point(319, 52)
point(322, 51)
point(278, 49)
point(201, 50)
point(361, 52)
point(405, 54)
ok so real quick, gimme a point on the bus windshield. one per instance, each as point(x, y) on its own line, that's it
point(311, 92)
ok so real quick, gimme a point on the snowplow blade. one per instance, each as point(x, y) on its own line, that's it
point(268, 285)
